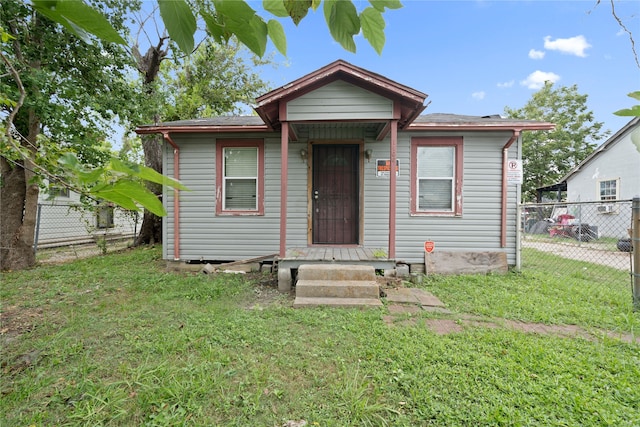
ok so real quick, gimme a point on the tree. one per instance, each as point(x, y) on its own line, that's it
point(67, 93)
point(215, 80)
point(548, 156)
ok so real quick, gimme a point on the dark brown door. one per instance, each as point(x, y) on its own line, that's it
point(335, 194)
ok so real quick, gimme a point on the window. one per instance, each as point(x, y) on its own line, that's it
point(58, 191)
point(240, 177)
point(104, 216)
point(608, 190)
point(436, 176)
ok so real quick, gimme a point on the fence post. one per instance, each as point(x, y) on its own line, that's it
point(519, 226)
point(35, 240)
point(635, 243)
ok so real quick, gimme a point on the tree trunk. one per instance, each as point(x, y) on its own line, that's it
point(149, 66)
point(151, 229)
point(19, 208)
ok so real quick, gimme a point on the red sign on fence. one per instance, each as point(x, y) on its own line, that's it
point(429, 246)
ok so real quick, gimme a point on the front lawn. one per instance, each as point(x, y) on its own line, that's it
point(117, 340)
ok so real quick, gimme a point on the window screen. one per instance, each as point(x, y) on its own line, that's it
point(240, 178)
point(435, 176)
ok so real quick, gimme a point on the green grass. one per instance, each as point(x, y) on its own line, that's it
point(116, 340)
point(546, 291)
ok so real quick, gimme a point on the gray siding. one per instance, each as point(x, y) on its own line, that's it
point(339, 101)
point(207, 236)
point(203, 235)
point(478, 229)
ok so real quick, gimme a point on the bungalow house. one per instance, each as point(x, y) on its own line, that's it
point(608, 175)
point(340, 166)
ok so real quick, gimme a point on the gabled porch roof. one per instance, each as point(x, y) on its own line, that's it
point(410, 102)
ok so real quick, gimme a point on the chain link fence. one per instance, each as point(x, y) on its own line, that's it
point(577, 238)
point(68, 230)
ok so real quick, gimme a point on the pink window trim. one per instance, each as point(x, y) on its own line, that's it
point(438, 141)
point(221, 144)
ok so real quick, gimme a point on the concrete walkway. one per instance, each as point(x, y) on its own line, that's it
point(411, 301)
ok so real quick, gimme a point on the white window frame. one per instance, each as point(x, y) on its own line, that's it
point(608, 197)
point(221, 178)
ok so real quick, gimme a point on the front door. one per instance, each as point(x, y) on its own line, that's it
point(335, 194)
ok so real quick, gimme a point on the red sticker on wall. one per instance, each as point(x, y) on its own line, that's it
point(429, 246)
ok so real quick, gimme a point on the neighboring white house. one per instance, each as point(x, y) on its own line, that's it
point(63, 220)
point(611, 173)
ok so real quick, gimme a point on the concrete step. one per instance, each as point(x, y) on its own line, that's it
point(301, 302)
point(336, 272)
point(337, 289)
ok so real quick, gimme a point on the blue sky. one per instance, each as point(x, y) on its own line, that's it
point(476, 57)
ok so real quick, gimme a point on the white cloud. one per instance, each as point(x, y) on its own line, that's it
point(536, 79)
point(572, 46)
point(478, 95)
point(536, 54)
point(503, 85)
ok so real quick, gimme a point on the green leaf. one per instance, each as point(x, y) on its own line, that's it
point(69, 160)
point(633, 111)
point(297, 9)
point(240, 19)
point(389, 4)
point(315, 4)
point(126, 193)
point(342, 19)
point(275, 7)
point(89, 177)
point(146, 173)
point(216, 29)
point(179, 21)
point(635, 95)
point(277, 36)
point(373, 28)
point(79, 18)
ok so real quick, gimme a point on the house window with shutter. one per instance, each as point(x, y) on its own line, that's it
point(240, 177)
point(436, 176)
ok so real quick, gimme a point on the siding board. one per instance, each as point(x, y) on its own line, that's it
point(339, 101)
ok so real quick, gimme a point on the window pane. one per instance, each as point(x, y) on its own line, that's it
point(435, 194)
point(608, 190)
point(104, 216)
point(240, 194)
point(435, 161)
point(241, 161)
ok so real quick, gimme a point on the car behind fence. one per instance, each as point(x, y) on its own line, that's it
point(580, 238)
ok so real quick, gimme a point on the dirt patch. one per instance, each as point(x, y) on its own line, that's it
point(265, 292)
point(15, 321)
point(444, 326)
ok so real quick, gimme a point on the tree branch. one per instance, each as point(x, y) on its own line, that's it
point(626, 30)
point(19, 103)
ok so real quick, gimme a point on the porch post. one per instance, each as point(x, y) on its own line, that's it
point(284, 174)
point(392, 188)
